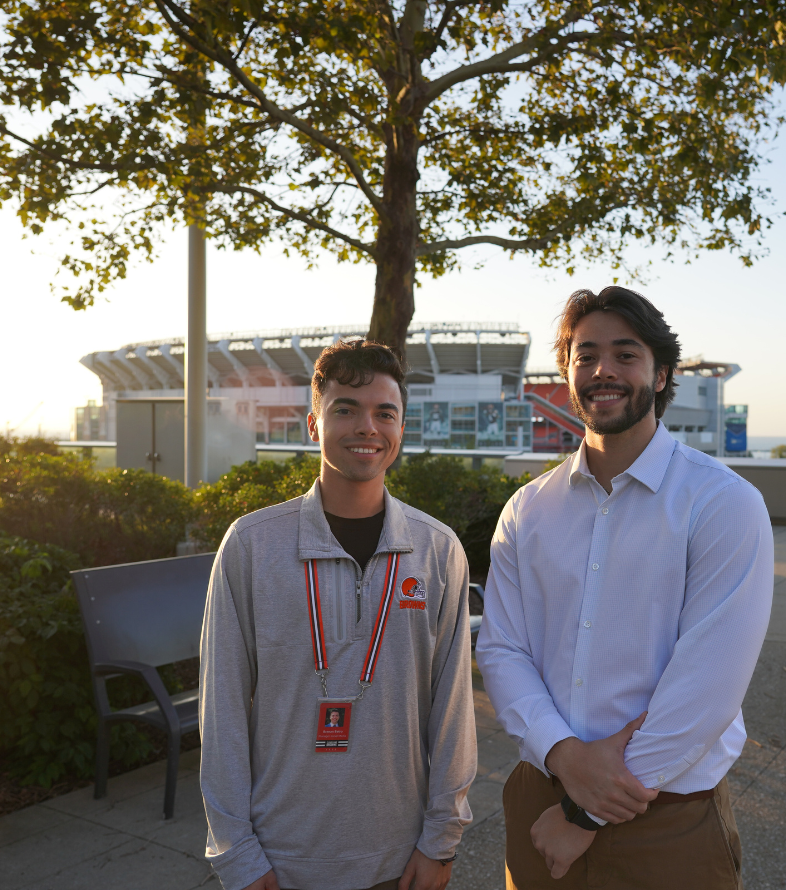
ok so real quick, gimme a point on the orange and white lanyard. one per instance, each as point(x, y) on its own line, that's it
point(318, 634)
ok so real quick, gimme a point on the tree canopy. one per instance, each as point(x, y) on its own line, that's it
point(396, 132)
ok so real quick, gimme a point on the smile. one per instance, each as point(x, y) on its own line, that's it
point(364, 450)
point(607, 398)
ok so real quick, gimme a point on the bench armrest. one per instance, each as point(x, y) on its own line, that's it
point(151, 676)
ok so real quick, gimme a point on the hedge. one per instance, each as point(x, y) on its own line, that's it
point(245, 488)
point(48, 726)
point(58, 513)
point(467, 500)
point(104, 517)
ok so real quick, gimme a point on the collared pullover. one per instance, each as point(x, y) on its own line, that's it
point(654, 598)
point(344, 820)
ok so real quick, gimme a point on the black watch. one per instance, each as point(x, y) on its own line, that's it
point(453, 858)
point(577, 816)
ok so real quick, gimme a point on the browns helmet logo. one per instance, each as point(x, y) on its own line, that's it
point(411, 587)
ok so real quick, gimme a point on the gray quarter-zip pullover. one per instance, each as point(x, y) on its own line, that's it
point(350, 820)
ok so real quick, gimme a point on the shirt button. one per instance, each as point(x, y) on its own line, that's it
point(587, 624)
point(605, 510)
point(595, 567)
point(661, 778)
point(579, 681)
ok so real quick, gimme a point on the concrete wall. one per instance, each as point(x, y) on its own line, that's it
point(769, 476)
point(528, 462)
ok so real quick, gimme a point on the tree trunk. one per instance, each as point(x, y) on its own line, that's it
point(397, 240)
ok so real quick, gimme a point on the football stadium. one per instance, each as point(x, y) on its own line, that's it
point(471, 391)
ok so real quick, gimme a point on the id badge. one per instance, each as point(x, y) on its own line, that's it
point(334, 716)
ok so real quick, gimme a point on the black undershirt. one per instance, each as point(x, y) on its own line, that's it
point(359, 537)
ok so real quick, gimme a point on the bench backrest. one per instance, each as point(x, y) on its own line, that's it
point(144, 611)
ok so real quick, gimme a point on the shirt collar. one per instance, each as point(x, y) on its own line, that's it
point(316, 541)
point(649, 468)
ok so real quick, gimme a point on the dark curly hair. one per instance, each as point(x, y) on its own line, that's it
point(647, 321)
point(355, 362)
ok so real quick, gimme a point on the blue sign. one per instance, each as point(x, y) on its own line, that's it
point(736, 421)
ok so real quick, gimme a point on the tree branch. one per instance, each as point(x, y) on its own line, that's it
point(499, 63)
point(254, 25)
point(447, 15)
point(293, 214)
point(175, 80)
point(168, 8)
point(532, 244)
point(59, 159)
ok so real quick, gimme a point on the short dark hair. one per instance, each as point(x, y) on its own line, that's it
point(355, 362)
point(641, 315)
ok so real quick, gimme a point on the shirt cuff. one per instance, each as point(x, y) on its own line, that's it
point(542, 737)
point(651, 776)
point(439, 840)
point(240, 865)
point(597, 819)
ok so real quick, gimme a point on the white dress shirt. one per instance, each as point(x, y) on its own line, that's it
point(655, 598)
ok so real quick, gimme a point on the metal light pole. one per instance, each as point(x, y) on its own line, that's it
point(196, 360)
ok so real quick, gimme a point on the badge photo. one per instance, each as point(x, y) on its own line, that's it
point(333, 722)
point(413, 594)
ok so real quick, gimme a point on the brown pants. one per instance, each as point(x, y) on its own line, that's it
point(675, 846)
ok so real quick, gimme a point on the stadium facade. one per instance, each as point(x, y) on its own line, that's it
point(471, 391)
point(465, 384)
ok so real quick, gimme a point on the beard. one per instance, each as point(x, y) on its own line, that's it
point(640, 401)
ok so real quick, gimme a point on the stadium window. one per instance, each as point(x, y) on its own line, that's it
point(462, 426)
point(413, 431)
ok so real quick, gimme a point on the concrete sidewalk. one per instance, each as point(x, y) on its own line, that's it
point(120, 843)
point(76, 843)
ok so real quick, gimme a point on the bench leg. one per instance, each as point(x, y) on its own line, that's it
point(172, 763)
point(102, 759)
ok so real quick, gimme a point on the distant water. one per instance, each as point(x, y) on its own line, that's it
point(765, 443)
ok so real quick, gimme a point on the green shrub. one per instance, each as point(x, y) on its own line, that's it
point(467, 500)
point(106, 517)
point(248, 487)
point(27, 445)
point(77, 517)
point(48, 724)
point(555, 462)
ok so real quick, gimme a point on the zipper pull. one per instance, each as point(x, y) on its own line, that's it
point(357, 610)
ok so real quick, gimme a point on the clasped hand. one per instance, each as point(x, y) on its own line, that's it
point(596, 778)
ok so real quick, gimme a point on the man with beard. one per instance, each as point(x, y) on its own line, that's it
point(627, 601)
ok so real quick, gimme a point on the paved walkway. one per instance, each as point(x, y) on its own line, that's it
point(76, 843)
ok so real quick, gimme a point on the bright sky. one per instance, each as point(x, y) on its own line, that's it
point(719, 309)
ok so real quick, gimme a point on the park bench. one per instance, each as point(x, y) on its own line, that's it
point(138, 617)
